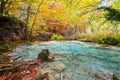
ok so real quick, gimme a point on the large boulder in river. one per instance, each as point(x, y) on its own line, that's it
point(45, 55)
point(12, 29)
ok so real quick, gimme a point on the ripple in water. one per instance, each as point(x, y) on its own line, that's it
point(84, 61)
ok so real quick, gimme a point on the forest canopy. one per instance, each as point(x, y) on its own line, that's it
point(71, 19)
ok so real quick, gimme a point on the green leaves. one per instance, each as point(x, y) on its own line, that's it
point(57, 37)
point(112, 14)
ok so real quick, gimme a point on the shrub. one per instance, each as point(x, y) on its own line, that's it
point(109, 40)
point(57, 37)
point(5, 47)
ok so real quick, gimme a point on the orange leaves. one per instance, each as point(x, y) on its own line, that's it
point(27, 72)
point(55, 26)
point(51, 8)
point(45, 79)
point(56, 6)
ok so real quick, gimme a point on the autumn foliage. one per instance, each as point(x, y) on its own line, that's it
point(24, 71)
point(55, 26)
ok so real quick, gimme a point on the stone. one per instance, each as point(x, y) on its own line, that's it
point(45, 55)
point(76, 63)
point(51, 57)
point(115, 77)
point(59, 67)
point(69, 59)
point(96, 75)
point(65, 76)
point(42, 77)
point(57, 76)
point(12, 29)
point(25, 72)
point(60, 54)
point(53, 69)
point(58, 59)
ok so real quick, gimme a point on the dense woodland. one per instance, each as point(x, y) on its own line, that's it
point(87, 20)
point(23, 21)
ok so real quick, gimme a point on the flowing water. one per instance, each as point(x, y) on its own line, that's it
point(84, 61)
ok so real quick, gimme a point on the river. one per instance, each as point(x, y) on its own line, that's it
point(83, 60)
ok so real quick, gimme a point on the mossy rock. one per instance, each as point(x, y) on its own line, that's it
point(12, 29)
point(45, 55)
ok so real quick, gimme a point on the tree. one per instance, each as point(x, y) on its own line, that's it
point(38, 8)
point(3, 9)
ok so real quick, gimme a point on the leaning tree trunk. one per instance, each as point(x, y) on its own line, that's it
point(2, 7)
point(31, 31)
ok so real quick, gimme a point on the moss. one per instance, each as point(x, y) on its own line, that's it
point(5, 47)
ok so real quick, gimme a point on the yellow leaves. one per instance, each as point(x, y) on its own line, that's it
point(16, 11)
point(116, 4)
point(84, 3)
point(51, 8)
point(62, 10)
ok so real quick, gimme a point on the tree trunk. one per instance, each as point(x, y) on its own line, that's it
point(31, 31)
point(2, 7)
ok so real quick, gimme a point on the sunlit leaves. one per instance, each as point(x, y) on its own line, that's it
point(116, 4)
point(69, 12)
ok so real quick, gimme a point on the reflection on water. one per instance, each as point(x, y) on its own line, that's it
point(84, 61)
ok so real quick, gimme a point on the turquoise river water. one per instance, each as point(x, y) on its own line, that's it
point(83, 60)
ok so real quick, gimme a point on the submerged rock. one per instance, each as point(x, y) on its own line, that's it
point(54, 69)
point(57, 76)
point(60, 54)
point(59, 67)
point(69, 59)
